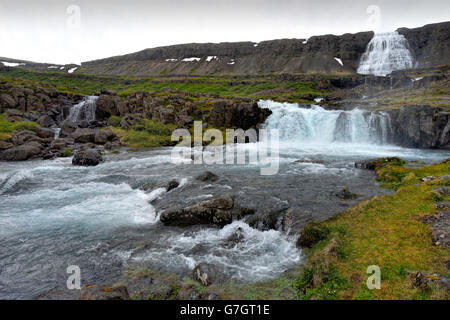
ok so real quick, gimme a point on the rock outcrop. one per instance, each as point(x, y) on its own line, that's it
point(429, 44)
point(216, 211)
point(420, 127)
point(316, 54)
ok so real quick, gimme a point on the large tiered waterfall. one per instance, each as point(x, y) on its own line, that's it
point(316, 125)
point(386, 52)
point(83, 111)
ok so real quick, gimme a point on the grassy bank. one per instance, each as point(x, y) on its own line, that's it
point(145, 134)
point(383, 231)
point(7, 127)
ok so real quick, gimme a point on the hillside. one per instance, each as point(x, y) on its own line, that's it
point(318, 54)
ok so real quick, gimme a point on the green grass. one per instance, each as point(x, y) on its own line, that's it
point(145, 134)
point(255, 88)
point(382, 231)
point(7, 127)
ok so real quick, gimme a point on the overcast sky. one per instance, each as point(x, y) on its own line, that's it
point(60, 31)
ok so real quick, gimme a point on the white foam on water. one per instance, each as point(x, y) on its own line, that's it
point(260, 255)
point(93, 204)
point(7, 183)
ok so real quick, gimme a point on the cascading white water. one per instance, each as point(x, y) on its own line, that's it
point(319, 126)
point(85, 110)
point(386, 52)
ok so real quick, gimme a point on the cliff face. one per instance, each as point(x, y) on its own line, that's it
point(429, 44)
point(317, 54)
point(421, 127)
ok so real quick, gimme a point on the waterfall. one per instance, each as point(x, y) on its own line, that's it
point(316, 125)
point(83, 111)
point(386, 52)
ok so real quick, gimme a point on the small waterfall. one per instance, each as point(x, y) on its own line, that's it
point(386, 52)
point(83, 111)
point(319, 126)
point(57, 133)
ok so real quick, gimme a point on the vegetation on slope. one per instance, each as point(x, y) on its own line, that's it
point(7, 127)
point(383, 231)
point(254, 87)
point(144, 134)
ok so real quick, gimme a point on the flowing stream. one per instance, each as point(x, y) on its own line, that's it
point(53, 214)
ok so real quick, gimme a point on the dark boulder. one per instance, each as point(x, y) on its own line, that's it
point(216, 211)
point(7, 102)
point(22, 152)
point(88, 157)
point(46, 121)
point(106, 107)
point(103, 136)
point(172, 185)
point(207, 176)
point(232, 114)
point(84, 135)
point(235, 238)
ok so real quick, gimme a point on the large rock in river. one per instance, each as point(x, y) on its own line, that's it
point(88, 157)
point(216, 211)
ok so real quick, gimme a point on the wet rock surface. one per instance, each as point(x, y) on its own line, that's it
point(216, 211)
point(88, 157)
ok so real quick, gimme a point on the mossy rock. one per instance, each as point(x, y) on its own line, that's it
point(311, 234)
point(67, 153)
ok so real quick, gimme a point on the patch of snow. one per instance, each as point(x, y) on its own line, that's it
point(72, 70)
point(418, 79)
point(256, 44)
point(52, 67)
point(61, 68)
point(209, 58)
point(171, 60)
point(231, 62)
point(339, 60)
point(191, 59)
point(318, 99)
point(305, 42)
point(12, 64)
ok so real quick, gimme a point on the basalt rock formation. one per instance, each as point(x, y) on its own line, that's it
point(421, 127)
point(429, 44)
